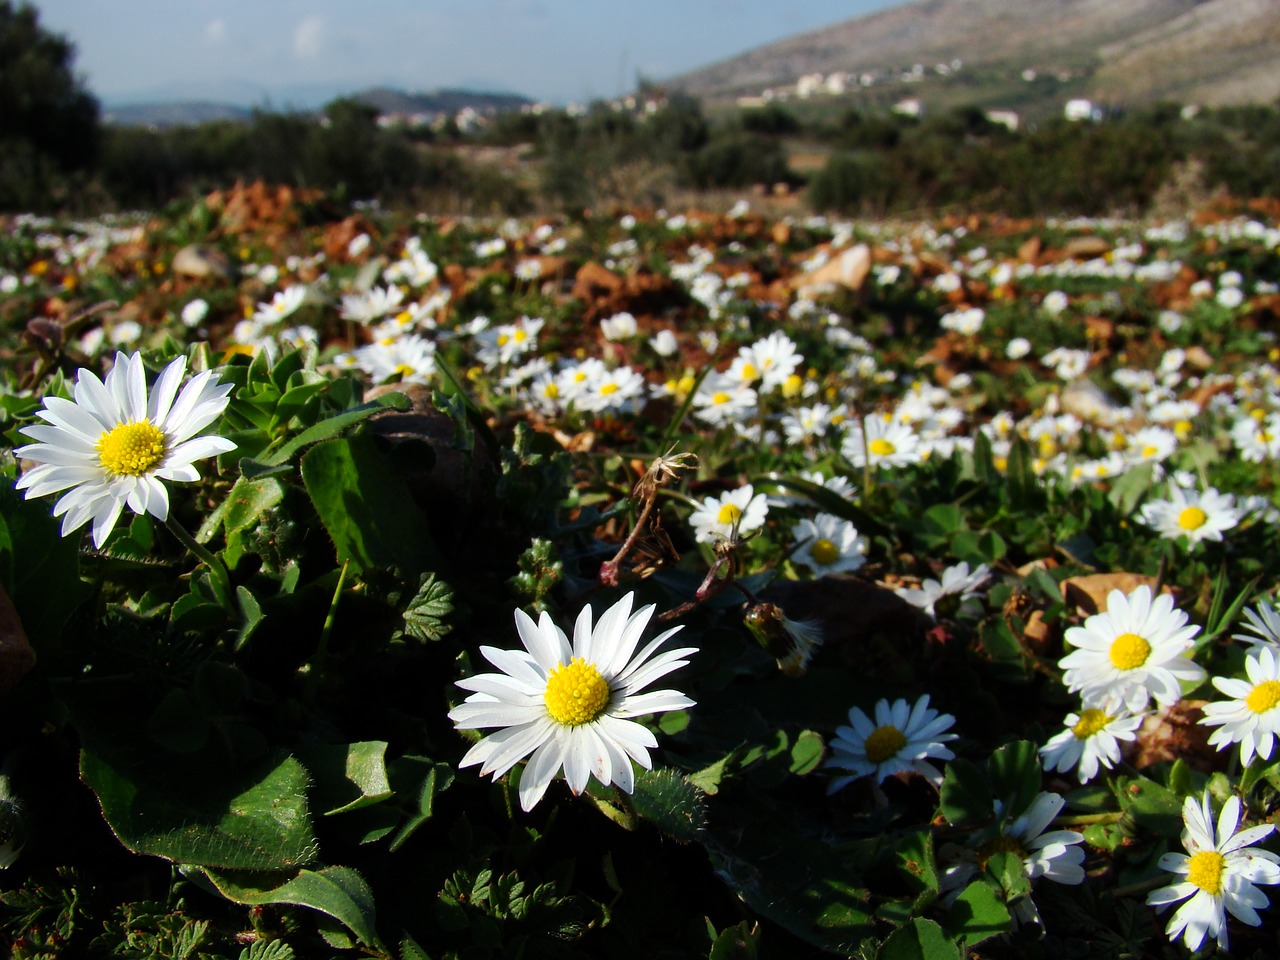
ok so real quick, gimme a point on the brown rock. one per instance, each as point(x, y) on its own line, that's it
point(1175, 733)
point(1086, 248)
point(848, 270)
point(199, 260)
point(1029, 252)
point(1089, 592)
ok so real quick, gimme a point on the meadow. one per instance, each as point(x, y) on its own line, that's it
point(639, 583)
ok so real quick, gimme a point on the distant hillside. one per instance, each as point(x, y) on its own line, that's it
point(173, 114)
point(1117, 52)
point(384, 99)
point(389, 101)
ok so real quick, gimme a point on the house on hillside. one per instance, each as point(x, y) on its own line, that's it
point(1080, 109)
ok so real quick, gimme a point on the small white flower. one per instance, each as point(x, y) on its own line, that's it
point(902, 739)
point(621, 326)
point(886, 443)
point(570, 707)
point(115, 443)
point(957, 581)
point(1219, 874)
point(1251, 717)
point(1193, 515)
point(829, 544)
point(1017, 348)
point(195, 312)
point(1132, 652)
point(664, 343)
point(1263, 620)
point(1091, 738)
point(717, 518)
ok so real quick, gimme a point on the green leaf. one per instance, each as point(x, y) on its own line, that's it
point(39, 568)
point(424, 618)
point(965, 795)
point(1014, 775)
point(978, 914)
point(267, 950)
point(336, 425)
point(919, 940)
point(916, 863)
point(209, 817)
point(179, 723)
point(671, 802)
point(366, 507)
point(338, 892)
point(348, 776)
point(418, 781)
point(244, 505)
point(1129, 489)
point(251, 614)
point(1009, 871)
point(1151, 806)
point(944, 519)
point(738, 942)
point(806, 752)
point(409, 950)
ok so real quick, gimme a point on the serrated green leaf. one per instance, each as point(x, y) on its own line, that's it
point(1009, 872)
point(424, 618)
point(806, 752)
point(267, 950)
point(915, 859)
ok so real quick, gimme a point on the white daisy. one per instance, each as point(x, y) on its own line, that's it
point(1251, 717)
point(1191, 514)
point(717, 518)
point(1132, 652)
point(901, 739)
point(570, 707)
point(829, 544)
point(114, 444)
point(1091, 738)
point(957, 581)
point(1219, 874)
point(1056, 855)
point(1263, 620)
point(886, 443)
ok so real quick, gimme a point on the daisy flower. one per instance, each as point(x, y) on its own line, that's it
point(717, 518)
point(957, 581)
point(887, 443)
point(1191, 514)
point(115, 443)
point(1055, 855)
point(902, 739)
point(1219, 874)
point(1090, 738)
point(829, 544)
point(1251, 717)
point(1264, 621)
point(1132, 652)
point(570, 706)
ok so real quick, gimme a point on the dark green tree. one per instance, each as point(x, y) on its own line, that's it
point(48, 120)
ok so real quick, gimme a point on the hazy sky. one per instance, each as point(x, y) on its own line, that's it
point(291, 51)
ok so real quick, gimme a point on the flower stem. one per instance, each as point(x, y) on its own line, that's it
point(322, 648)
point(217, 572)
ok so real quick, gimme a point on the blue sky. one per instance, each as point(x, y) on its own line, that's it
point(292, 53)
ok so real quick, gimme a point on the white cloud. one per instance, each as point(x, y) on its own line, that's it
point(308, 39)
point(215, 31)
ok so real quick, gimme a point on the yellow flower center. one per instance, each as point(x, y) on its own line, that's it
point(1264, 696)
point(996, 845)
point(131, 449)
point(729, 514)
point(685, 384)
point(503, 339)
point(749, 371)
point(884, 742)
point(881, 447)
point(520, 336)
point(551, 390)
point(404, 370)
point(1129, 651)
point(1150, 451)
point(609, 388)
point(825, 552)
point(1206, 871)
point(576, 693)
point(719, 397)
point(792, 386)
point(1192, 518)
point(1090, 722)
